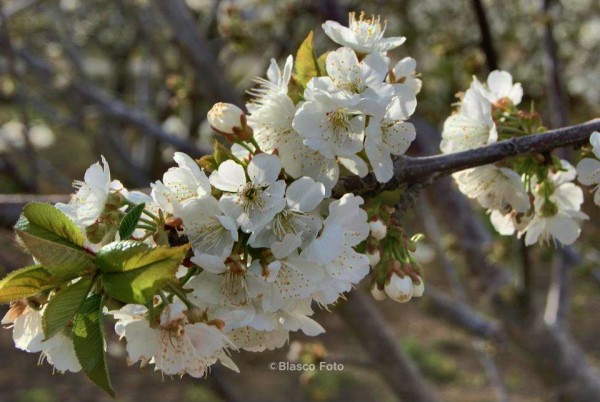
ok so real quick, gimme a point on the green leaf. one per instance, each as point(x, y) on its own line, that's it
point(88, 339)
point(129, 221)
point(134, 271)
point(25, 282)
point(62, 308)
point(322, 63)
point(306, 63)
point(52, 238)
point(53, 220)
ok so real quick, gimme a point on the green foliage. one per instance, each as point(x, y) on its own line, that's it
point(306, 64)
point(52, 238)
point(88, 339)
point(134, 271)
point(62, 308)
point(24, 282)
point(433, 365)
point(129, 221)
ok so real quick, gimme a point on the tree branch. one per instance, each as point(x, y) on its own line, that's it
point(424, 170)
point(487, 44)
point(375, 335)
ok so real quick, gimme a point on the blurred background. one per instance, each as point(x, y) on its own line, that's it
point(133, 80)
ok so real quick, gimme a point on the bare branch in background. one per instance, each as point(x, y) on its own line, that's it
point(195, 49)
point(110, 106)
point(557, 358)
point(434, 233)
point(462, 315)
point(375, 336)
point(487, 43)
point(552, 68)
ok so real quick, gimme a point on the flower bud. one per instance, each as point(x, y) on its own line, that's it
point(378, 294)
point(399, 289)
point(223, 117)
point(418, 288)
point(374, 256)
point(378, 229)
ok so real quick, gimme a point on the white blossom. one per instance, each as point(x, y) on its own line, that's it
point(207, 228)
point(494, 187)
point(331, 125)
point(88, 203)
point(588, 169)
point(175, 346)
point(365, 35)
point(294, 226)
point(563, 224)
point(500, 86)
point(28, 335)
point(254, 203)
point(404, 73)
point(471, 127)
point(276, 84)
point(180, 183)
point(386, 136)
point(344, 228)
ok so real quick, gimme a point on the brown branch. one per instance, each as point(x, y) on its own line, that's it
point(558, 115)
point(487, 44)
point(424, 170)
point(375, 335)
point(462, 315)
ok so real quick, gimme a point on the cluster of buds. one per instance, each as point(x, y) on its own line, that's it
point(402, 283)
point(396, 272)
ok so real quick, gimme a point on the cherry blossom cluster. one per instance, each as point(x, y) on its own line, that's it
point(263, 240)
point(533, 196)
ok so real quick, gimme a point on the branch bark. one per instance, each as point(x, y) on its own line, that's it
point(424, 170)
point(487, 44)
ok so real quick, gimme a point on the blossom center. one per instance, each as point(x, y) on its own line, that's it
point(250, 197)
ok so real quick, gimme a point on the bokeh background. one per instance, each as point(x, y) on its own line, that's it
point(133, 80)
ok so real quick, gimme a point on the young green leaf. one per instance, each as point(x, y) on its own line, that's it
point(62, 308)
point(25, 282)
point(134, 271)
point(129, 221)
point(322, 63)
point(306, 64)
point(52, 238)
point(88, 339)
point(53, 220)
